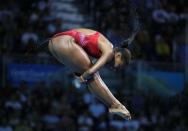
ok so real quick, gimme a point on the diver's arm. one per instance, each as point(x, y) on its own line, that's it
point(107, 53)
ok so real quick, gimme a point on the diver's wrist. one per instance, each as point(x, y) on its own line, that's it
point(85, 75)
point(82, 79)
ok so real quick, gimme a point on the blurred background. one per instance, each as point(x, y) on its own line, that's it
point(37, 93)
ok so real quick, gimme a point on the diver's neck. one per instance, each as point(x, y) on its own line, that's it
point(111, 60)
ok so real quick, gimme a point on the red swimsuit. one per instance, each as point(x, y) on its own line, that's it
point(88, 42)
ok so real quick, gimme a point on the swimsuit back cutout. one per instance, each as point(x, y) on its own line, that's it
point(88, 42)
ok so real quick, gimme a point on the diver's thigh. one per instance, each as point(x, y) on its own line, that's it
point(80, 59)
point(70, 54)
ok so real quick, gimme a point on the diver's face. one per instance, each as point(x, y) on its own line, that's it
point(118, 60)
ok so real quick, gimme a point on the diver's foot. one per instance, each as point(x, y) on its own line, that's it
point(121, 111)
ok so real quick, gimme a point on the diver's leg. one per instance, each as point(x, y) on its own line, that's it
point(101, 91)
point(73, 56)
point(66, 51)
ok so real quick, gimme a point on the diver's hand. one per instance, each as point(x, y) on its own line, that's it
point(85, 76)
point(80, 79)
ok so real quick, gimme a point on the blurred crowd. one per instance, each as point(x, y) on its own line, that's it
point(40, 108)
point(161, 22)
point(24, 24)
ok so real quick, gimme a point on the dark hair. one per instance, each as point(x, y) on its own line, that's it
point(126, 54)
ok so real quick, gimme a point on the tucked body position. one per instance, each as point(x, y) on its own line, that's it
point(75, 48)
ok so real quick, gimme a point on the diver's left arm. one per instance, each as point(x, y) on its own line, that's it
point(107, 53)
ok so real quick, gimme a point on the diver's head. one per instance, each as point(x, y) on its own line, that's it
point(122, 57)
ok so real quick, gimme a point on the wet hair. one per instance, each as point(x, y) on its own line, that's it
point(125, 54)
